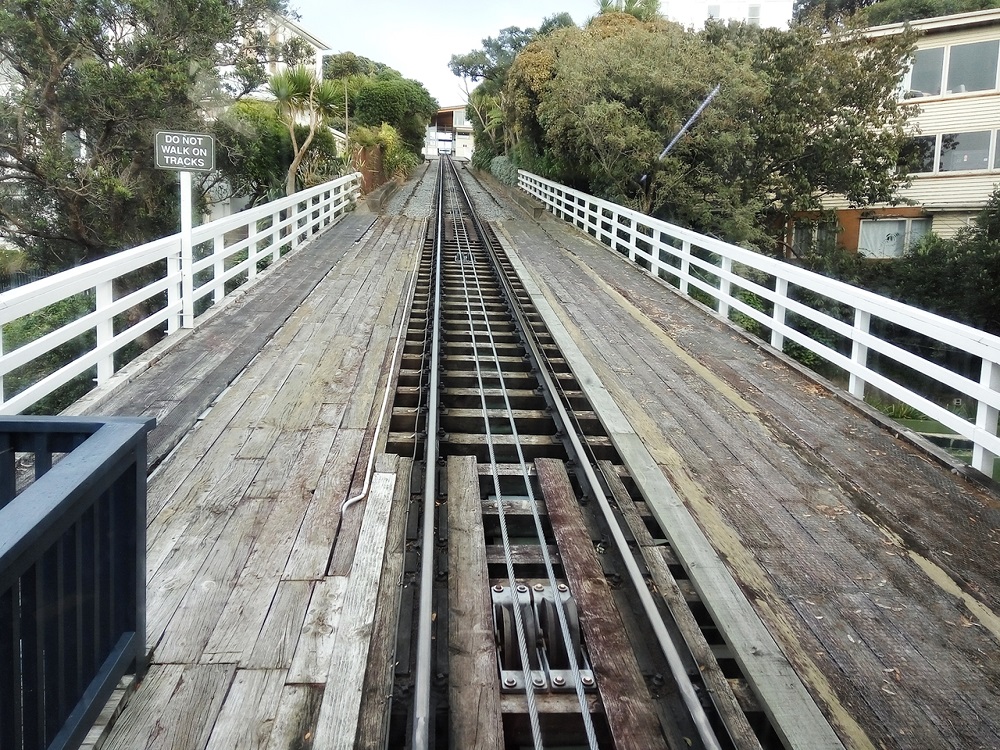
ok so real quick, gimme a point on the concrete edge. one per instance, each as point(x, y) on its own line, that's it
point(794, 713)
point(377, 198)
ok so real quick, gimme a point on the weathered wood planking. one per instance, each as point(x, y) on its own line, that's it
point(338, 718)
point(176, 707)
point(314, 646)
point(716, 682)
point(790, 707)
point(199, 367)
point(275, 645)
point(247, 715)
point(295, 724)
point(473, 681)
point(627, 705)
point(382, 656)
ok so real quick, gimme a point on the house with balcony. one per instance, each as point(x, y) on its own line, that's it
point(954, 90)
point(449, 132)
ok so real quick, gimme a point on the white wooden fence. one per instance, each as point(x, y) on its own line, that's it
point(226, 255)
point(832, 319)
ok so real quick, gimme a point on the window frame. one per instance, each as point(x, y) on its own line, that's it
point(907, 233)
point(908, 92)
point(992, 155)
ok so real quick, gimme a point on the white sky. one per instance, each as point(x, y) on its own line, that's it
point(418, 37)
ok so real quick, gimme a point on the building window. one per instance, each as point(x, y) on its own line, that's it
point(890, 238)
point(964, 151)
point(925, 75)
point(918, 155)
point(973, 67)
point(811, 236)
point(753, 15)
point(715, 11)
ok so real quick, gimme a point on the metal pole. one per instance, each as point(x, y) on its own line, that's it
point(691, 120)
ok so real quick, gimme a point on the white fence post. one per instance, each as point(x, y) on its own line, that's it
point(859, 353)
point(725, 286)
point(218, 268)
point(104, 298)
point(986, 418)
point(173, 290)
point(685, 266)
point(778, 316)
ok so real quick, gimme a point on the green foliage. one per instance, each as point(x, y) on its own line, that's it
point(644, 10)
point(348, 64)
point(828, 9)
point(956, 277)
point(397, 159)
point(253, 150)
point(299, 98)
point(798, 116)
point(401, 102)
point(504, 170)
point(89, 83)
point(897, 11)
point(32, 327)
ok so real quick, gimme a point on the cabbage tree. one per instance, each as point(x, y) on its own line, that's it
point(302, 100)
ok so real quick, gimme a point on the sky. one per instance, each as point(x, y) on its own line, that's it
point(418, 38)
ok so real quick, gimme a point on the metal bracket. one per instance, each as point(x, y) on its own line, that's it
point(548, 656)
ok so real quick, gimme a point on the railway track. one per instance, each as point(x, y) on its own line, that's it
point(542, 605)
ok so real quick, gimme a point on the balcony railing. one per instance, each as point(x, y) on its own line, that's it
point(72, 573)
point(856, 331)
point(97, 311)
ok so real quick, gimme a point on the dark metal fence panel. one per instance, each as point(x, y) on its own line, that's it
point(72, 574)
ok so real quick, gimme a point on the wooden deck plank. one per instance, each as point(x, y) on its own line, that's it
point(248, 713)
point(295, 724)
point(313, 650)
point(473, 681)
point(278, 635)
point(338, 718)
point(795, 715)
point(377, 690)
point(311, 551)
point(627, 705)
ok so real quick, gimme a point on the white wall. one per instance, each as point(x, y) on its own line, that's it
point(775, 13)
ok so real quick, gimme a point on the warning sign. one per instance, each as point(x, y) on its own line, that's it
point(189, 152)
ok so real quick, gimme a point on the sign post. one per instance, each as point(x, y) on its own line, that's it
point(185, 153)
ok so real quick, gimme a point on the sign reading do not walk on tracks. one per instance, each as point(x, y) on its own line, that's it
point(188, 152)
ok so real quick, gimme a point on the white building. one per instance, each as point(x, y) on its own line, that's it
point(694, 13)
point(953, 86)
point(449, 132)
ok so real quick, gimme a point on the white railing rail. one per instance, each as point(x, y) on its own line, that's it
point(227, 254)
point(727, 277)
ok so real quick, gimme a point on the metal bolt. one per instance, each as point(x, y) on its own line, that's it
point(498, 588)
point(558, 680)
point(537, 681)
point(522, 589)
point(563, 587)
point(509, 682)
point(539, 587)
point(587, 680)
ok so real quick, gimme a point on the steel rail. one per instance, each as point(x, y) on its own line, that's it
point(670, 651)
point(533, 503)
point(425, 625)
point(522, 643)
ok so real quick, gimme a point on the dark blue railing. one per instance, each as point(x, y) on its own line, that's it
point(72, 573)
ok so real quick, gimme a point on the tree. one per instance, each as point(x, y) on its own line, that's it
point(897, 11)
point(300, 97)
point(956, 277)
point(89, 82)
point(799, 116)
point(644, 10)
point(828, 9)
point(401, 102)
point(254, 150)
